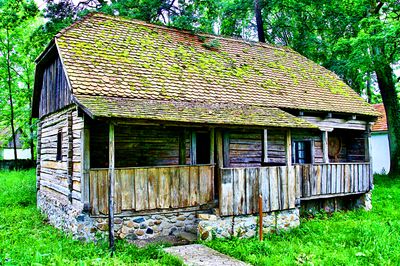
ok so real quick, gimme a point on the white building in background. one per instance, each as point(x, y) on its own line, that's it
point(7, 147)
point(380, 143)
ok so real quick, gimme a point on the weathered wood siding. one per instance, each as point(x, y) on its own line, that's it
point(61, 177)
point(241, 187)
point(55, 92)
point(276, 146)
point(245, 148)
point(138, 145)
point(331, 179)
point(155, 188)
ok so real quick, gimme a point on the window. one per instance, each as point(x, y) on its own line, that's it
point(203, 148)
point(302, 152)
point(59, 146)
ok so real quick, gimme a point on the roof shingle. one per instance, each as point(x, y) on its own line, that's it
point(115, 57)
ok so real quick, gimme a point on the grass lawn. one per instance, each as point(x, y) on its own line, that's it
point(26, 239)
point(346, 238)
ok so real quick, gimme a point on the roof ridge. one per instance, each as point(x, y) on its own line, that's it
point(75, 23)
point(163, 27)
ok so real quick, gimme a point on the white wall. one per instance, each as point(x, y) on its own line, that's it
point(8, 154)
point(380, 153)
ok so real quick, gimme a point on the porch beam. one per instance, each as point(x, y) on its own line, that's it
point(325, 150)
point(111, 176)
point(288, 147)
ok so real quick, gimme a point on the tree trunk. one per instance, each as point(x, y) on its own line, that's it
point(390, 101)
point(9, 82)
point(259, 21)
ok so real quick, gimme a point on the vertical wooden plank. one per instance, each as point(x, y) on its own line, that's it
point(325, 146)
point(94, 192)
point(153, 188)
point(194, 186)
point(283, 176)
point(237, 208)
point(118, 192)
point(265, 146)
point(306, 180)
point(323, 179)
point(175, 187)
point(103, 189)
point(127, 189)
point(249, 179)
point(357, 178)
point(333, 178)
point(219, 160)
point(141, 190)
point(193, 148)
point(255, 175)
point(226, 197)
point(291, 187)
point(264, 188)
point(205, 184)
point(328, 178)
point(274, 192)
point(226, 149)
point(164, 187)
point(299, 182)
point(212, 145)
point(339, 175)
point(318, 179)
point(184, 192)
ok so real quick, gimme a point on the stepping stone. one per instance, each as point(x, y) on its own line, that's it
point(196, 255)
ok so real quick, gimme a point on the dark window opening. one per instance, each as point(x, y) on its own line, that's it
point(202, 148)
point(302, 152)
point(59, 146)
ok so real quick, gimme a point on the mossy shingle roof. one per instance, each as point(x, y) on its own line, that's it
point(108, 57)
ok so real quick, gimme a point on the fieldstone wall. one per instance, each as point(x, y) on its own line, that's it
point(148, 226)
point(66, 216)
point(247, 225)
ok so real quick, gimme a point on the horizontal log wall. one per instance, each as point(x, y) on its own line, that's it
point(55, 93)
point(333, 179)
point(137, 146)
point(143, 189)
point(352, 145)
point(241, 187)
point(276, 146)
point(55, 175)
point(245, 148)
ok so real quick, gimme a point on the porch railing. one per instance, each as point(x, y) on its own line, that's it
point(151, 188)
point(332, 179)
point(282, 187)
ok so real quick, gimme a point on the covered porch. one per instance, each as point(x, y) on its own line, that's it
point(161, 168)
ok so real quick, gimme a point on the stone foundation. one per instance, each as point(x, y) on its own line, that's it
point(246, 225)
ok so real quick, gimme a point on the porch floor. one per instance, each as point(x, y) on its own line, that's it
point(197, 255)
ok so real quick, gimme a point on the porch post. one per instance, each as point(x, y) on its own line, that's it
point(85, 164)
point(111, 175)
point(325, 146)
point(367, 144)
point(265, 146)
point(219, 146)
point(212, 145)
point(288, 147)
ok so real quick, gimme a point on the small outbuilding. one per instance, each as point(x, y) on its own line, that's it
point(174, 131)
point(380, 143)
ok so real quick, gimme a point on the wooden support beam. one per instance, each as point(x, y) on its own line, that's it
point(193, 148)
point(219, 147)
point(226, 149)
point(85, 164)
point(265, 146)
point(111, 176)
point(288, 147)
point(212, 145)
point(182, 147)
point(325, 150)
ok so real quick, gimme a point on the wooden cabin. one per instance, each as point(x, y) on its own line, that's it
point(171, 127)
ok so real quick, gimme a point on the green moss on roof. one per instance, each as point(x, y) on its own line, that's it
point(158, 63)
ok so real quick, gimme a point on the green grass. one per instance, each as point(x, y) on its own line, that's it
point(346, 238)
point(26, 239)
